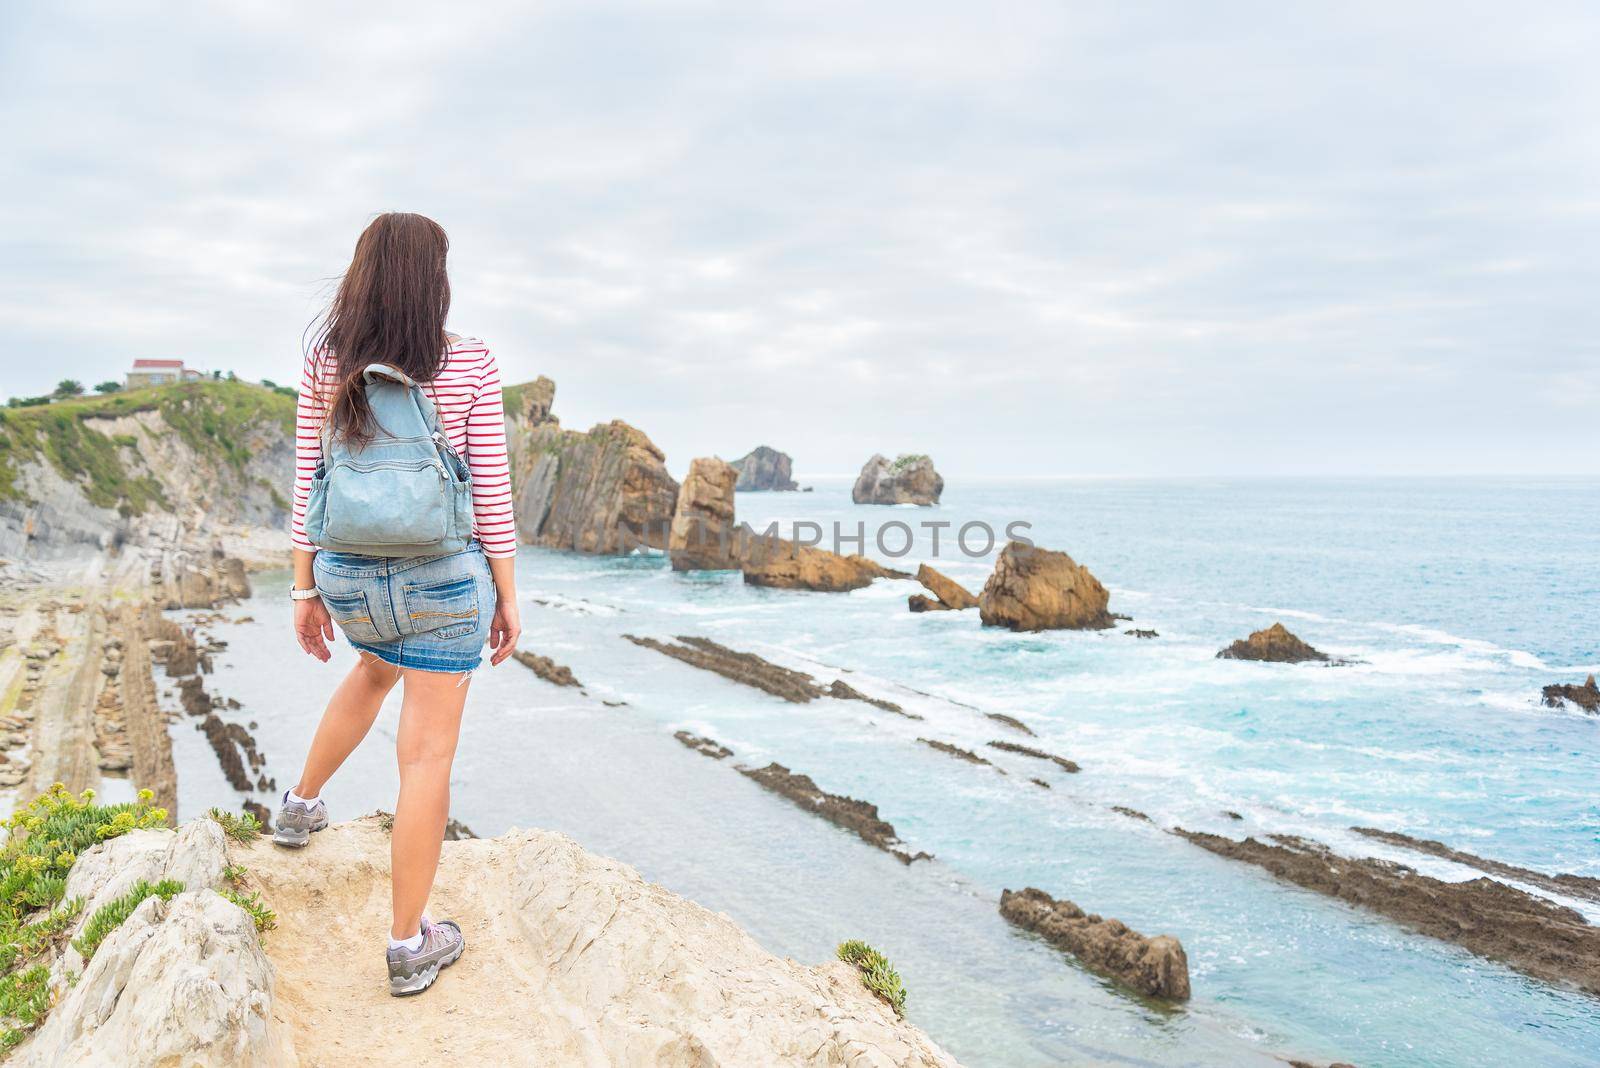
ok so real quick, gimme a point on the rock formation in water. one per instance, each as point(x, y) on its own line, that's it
point(1531, 934)
point(910, 479)
point(1011, 721)
point(547, 669)
point(787, 565)
point(572, 958)
point(1275, 645)
point(704, 536)
point(1584, 886)
point(751, 670)
point(707, 746)
point(1038, 754)
point(765, 468)
point(947, 593)
point(861, 817)
point(956, 751)
point(603, 491)
point(1156, 967)
point(1038, 589)
point(1586, 697)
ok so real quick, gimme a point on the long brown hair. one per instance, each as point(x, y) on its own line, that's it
point(390, 308)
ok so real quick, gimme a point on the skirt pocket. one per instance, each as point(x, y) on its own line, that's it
point(444, 609)
point(351, 611)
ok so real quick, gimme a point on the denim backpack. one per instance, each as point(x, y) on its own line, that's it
point(404, 493)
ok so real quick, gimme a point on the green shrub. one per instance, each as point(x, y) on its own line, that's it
point(240, 826)
point(265, 919)
point(877, 974)
point(109, 917)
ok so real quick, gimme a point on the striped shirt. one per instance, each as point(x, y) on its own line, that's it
point(466, 393)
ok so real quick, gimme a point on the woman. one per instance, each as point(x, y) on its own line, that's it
point(390, 308)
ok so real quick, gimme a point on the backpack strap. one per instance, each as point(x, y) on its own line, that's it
point(381, 372)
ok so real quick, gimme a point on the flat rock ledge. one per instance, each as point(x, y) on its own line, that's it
point(1275, 645)
point(1532, 934)
point(860, 817)
point(1155, 967)
point(547, 669)
point(1061, 762)
point(1586, 697)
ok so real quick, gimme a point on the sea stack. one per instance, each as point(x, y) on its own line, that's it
point(1274, 645)
point(764, 468)
point(910, 479)
point(1039, 589)
point(703, 536)
point(1586, 697)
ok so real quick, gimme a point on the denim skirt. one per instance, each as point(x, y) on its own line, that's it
point(431, 613)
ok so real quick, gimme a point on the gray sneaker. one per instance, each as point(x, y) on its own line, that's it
point(413, 971)
point(296, 821)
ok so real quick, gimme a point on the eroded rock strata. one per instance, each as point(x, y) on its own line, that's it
point(1274, 645)
point(846, 692)
point(1011, 721)
point(1572, 885)
point(1039, 589)
point(547, 669)
point(707, 746)
point(954, 750)
point(909, 479)
point(751, 670)
point(1586, 697)
point(1038, 754)
point(859, 817)
point(1154, 966)
point(765, 469)
point(1529, 933)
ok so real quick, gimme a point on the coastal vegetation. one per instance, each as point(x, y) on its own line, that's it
point(44, 839)
point(109, 917)
point(877, 974)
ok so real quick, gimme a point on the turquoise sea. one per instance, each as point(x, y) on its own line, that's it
point(1459, 598)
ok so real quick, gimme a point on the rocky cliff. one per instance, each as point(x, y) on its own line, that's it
point(571, 959)
point(174, 466)
point(605, 490)
point(765, 468)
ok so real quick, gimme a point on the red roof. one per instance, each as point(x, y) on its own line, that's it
point(140, 364)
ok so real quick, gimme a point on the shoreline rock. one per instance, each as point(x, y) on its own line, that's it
point(605, 490)
point(1039, 589)
point(948, 595)
point(1586, 697)
point(909, 479)
point(1583, 886)
point(706, 746)
point(1530, 934)
point(858, 817)
point(1274, 645)
point(783, 564)
point(959, 753)
point(703, 535)
point(1063, 763)
point(547, 669)
point(1154, 966)
point(1011, 721)
point(765, 470)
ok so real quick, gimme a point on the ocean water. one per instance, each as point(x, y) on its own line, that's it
point(1459, 599)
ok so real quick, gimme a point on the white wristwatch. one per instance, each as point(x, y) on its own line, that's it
point(303, 595)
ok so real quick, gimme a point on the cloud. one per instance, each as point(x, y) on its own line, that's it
point(1033, 239)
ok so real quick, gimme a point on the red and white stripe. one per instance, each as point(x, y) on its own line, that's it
point(466, 392)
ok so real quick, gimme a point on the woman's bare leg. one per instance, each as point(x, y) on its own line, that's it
point(430, 722)
point(349, 715)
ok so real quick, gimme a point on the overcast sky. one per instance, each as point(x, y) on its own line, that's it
point(1038, 239)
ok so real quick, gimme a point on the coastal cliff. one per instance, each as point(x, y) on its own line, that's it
point(198, 461)
point(571, 958)
point(605, 490)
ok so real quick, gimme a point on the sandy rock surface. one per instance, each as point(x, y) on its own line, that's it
point(1038, 589)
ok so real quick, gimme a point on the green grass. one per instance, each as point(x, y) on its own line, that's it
point(44, 839)
point(109, 917)
point(212, 417)
point(877, 974)
point(240, 826)
point(265, 919)
point(905, 460)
